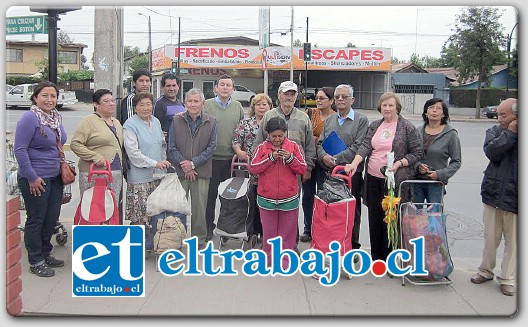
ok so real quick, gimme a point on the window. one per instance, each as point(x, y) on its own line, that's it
point(14, 55)
point(67, 57)
point(418, 89)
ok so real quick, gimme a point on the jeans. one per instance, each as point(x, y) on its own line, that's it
point(42, 216)
point(430, 191)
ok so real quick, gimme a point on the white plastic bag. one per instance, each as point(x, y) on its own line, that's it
point(168, 196)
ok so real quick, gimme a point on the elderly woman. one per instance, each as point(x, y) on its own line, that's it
point(146, 149)
point(395, 134)
point(98, 139)
point(442, 154)
point(37, 135)
point(243, 144)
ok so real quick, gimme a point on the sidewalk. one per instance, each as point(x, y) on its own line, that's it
point(269, 296)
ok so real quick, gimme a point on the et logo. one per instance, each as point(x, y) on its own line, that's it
point(108, 261)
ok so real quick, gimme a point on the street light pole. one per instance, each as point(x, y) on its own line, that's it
point(149, 41)
point(508, 70)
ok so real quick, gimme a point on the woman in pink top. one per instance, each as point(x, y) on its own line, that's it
point(395, 134)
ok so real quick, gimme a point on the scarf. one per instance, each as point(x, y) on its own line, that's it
point(53, 120)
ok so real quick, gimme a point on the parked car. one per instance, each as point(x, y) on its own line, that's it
point(9, 87)
point(19, 96)
point(243, 94)
point(490, 111)
point(307, 97)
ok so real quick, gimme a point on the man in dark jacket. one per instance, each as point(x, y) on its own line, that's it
point(499, 195)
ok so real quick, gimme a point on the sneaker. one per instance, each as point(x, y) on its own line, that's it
point(51, 261)
point(42, 270)
point(305, 237)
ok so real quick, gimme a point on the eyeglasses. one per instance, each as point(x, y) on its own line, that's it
point(342, 96)
point(321, 98)
point(434, 107)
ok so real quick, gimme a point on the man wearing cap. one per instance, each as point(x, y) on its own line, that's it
point(300, 129)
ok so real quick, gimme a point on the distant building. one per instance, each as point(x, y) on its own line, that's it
point(21, 56)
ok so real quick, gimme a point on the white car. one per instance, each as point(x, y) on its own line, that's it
point(243, 94)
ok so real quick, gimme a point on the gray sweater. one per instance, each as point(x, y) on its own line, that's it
point(444, 154)
point(351, 132)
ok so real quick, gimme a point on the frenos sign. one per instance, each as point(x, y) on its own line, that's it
point(369, 59)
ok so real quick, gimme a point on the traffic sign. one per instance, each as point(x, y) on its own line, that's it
point(27, 25)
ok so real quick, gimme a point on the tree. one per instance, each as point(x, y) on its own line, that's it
point(297, 44)
point(63, 37)
point(138, 62)
point(476, 45)
point(351, 45)
point(426, 62)
point(84, 66)
point(128, 51)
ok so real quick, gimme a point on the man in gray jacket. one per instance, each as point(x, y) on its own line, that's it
point(351, 126)
point(499, 193)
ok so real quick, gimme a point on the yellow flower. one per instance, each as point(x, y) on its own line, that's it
point(390, 206)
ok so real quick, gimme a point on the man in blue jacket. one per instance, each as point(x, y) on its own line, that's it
point(500, 197)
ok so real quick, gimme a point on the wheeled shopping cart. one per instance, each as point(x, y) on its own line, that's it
point(234, 220)
point(427, 220)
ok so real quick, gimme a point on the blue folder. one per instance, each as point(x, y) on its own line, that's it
point(333, 144)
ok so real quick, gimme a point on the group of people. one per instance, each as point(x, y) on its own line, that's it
point(285, 152)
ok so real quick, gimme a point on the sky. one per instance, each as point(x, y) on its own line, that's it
point(404, 29)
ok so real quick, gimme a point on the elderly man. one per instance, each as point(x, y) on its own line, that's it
point(228, 113)
point(351, 126)
point(168, 104)
point(499, 191)
point(192, 142)
point(300, 129)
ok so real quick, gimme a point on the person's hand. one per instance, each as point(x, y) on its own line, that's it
point(191, 175)
point(306, 176)
point(350, 169)
point(423, 168)
point(432, 174)
point(242, 155)
point(329, 161)
point(163, 164)
point(284, 154)
point(396, 166)
point(37, 187)
point(276, 155)
point(101, 163)
point(186, 165)
point(513, 126)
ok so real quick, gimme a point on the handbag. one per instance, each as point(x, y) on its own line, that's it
point(67, 170)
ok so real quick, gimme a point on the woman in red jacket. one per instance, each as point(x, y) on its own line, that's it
point(278, 161)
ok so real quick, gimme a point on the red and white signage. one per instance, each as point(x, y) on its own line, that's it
point(232, 57)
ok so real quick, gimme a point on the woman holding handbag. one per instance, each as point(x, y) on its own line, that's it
point(37, 135)
point(98, 139)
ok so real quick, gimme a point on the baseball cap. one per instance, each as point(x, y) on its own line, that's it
point(287, 86)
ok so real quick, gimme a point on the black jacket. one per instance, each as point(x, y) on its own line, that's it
point(499, 185)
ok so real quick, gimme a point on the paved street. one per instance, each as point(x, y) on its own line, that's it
point(298, 295)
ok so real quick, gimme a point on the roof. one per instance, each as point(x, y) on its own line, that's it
point(407, 68)
point(451, 73)
point(231, 40)
point(45, 44)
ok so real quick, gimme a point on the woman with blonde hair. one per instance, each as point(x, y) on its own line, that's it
point(243, 144)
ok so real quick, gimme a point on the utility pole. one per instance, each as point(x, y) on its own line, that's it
point(306, 71)
point(149, 42)
point(291, 46)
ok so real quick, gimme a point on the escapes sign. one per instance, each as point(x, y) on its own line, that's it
point(370, 59)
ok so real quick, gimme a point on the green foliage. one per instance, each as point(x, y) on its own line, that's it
point(16, 80)
point(297, 43)
point(77, 75)
point(63, 37)
point(138, 62)
point(474, 48)
point(129, 52)
point(426, 62)
point(351, 45)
